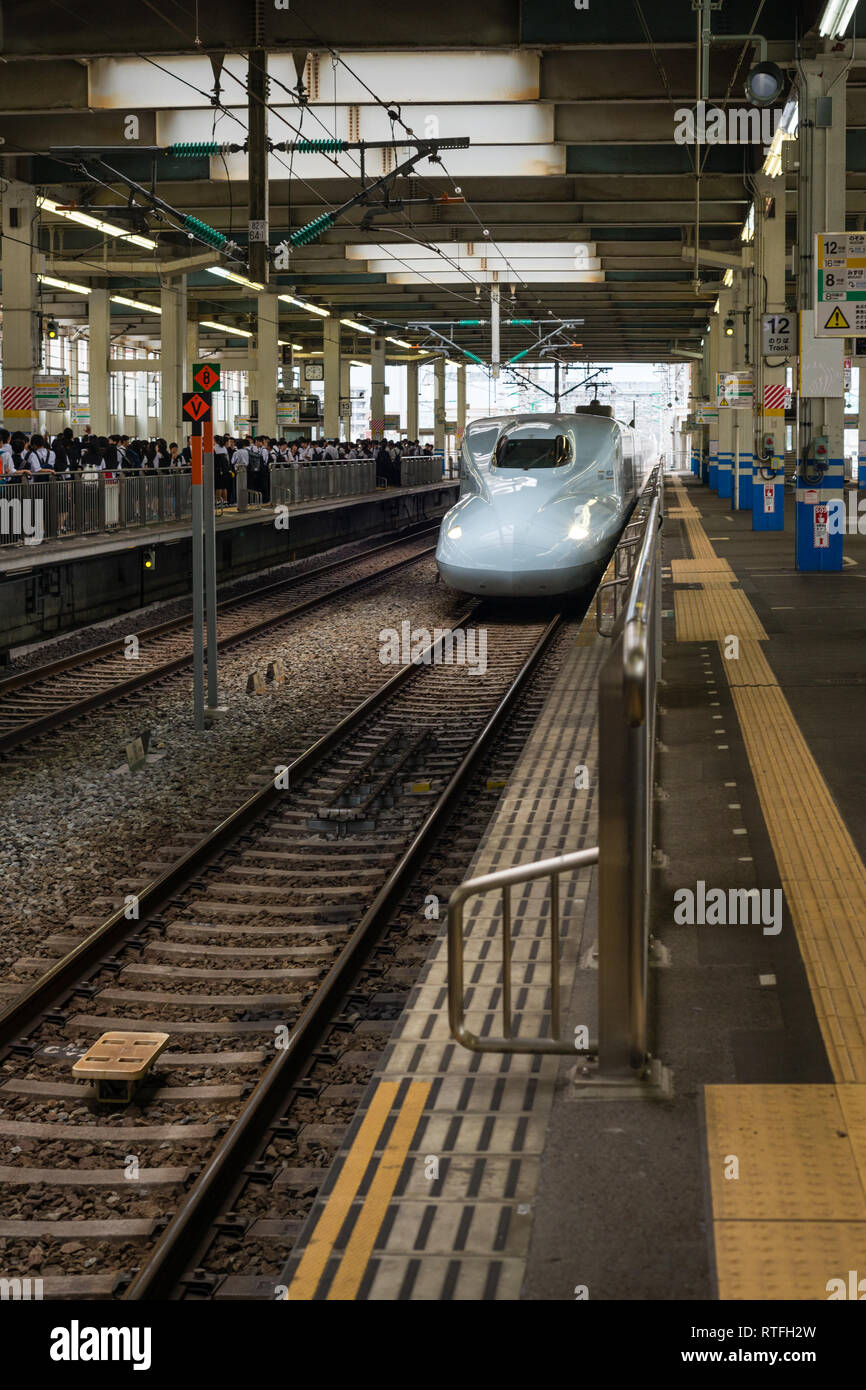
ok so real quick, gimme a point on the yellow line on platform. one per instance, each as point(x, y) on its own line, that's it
point(348, 1278)
point(792, 1219)
point(318, 1252)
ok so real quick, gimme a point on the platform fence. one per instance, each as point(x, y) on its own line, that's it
point(629, 615)
point(93, 501)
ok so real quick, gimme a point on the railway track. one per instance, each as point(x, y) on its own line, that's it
point(245, 952)
point(42, 699)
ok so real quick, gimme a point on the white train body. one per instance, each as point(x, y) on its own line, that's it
point(543, 500)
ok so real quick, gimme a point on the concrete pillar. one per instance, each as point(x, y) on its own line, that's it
point(20, 329)
point(461, 399)
point(768, 491)
point(821, 208)
point(331, 357)
point(263, 381)
point(439, 403)
point(99, 320)
point(861, 431)
point(742, 422)
point(720, 480)
point(412, 400)
point(72, 367)
point(345, 398)
point(377, 388)
point(192, 344)
point(172, 299)
point(712, 459)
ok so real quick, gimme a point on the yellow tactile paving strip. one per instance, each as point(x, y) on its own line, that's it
point(713, 613)
point(794, 1217)
point(696, 571)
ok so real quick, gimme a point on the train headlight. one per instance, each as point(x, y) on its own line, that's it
point(576, 532)
point(455, 532)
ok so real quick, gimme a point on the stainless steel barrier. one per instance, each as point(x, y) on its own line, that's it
point(627, 686)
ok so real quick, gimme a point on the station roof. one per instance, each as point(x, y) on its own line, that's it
point(575, 194)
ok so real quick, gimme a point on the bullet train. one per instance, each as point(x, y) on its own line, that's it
point(543, 500)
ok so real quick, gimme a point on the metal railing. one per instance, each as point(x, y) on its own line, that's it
point(627, 685)
point(416, 471)
point(309, 482)
point(91, 501)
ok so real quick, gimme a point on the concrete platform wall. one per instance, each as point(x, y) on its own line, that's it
point(47, 593)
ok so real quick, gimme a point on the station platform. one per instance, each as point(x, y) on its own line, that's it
point(52, 587)
point(486, 1177)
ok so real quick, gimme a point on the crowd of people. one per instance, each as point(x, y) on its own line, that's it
point(27, 456)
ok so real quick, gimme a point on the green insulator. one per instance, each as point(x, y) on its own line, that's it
point(321, 146)
point(193, 149)
point(312, 230)
point(205, 233)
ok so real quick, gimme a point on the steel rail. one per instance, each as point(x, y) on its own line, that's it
point(177, 1247)
point(23, 733)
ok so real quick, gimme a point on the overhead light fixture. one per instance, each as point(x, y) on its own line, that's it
point(135, 304)
point(786, 130)
point(716, 307)
point(224, 328)
point(85, 220)
point(350, 323)
point(303, 304)
point(233, 275)
point(284, 342)
point(353, 362)
point(748, 232)
point(63, 284)
point(398, 342)
point(728, 278)
point(764, 83)
point(836, 18)
point(729, 327)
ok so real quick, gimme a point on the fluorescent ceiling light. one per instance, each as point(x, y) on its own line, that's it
point(85, 220)
point(350, 323)
point(836, 18)
point(233, 275)
point(302, 304)
point(284, 342)
point(63, 284)
point(398, 342)
point(224, 328)
point(354, 363)
point(748, 232)
point(786, 130)
point(135, 304)
point(728, 277)
point(716, 307)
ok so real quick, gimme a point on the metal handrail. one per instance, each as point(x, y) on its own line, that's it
point(506, 879)
point(626, 741)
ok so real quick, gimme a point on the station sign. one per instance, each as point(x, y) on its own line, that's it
point(734, 390)
point(51, 391)
point(840, 284)
point(288, 413)
point(206, 376)
point(197, 408)
point(778, 335)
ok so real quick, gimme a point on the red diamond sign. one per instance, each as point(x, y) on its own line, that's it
point(206, 376)
point(196, 406)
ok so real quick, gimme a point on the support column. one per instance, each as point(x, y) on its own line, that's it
point(257, 87)
point(461, 399)
point(768, 491)
point(861, 431)
point(821, 208)
point(377, 388)
point(439, 404)
point(345, 395)
point(712, 458)
point(263, 381)
point(20, 331)
point(412, 400)
point(742, 447)
point(192, 343)
point(331, 357)
point(172, 300)
point(721, 479)
point(99, 321)
point(72, 368)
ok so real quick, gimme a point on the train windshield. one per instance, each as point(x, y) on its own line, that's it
point(532, 450)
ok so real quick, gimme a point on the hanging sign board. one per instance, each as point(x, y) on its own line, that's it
point(778, 335)
point(734, 390)
point(840, 284)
